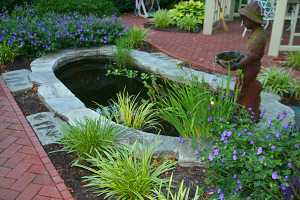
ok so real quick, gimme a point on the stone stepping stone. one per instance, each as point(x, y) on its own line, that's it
point(18, 81)
point(46, 126)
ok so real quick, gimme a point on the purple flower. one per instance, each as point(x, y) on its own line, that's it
point(249, 133)
point(216, 152)
point(210, 119)
point(180, 140)
point(273, 147)
point(259, 150)
point(251, 142)
point(275, 175)
point(210, 157)
point(221, 195)
point(286, 178)
point(277, 135)
point(270, 122)
point(1, 38)
point(290, 165)
point(286, 126)
point(261, 158)
point(234, 155)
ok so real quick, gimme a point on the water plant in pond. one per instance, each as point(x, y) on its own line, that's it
point(132, 113)
point(257, 162)
point(89, 137)
point(128, 173)
point(194, 109)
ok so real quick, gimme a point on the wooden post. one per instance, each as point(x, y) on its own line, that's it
point(277, 29)
point(209, 17)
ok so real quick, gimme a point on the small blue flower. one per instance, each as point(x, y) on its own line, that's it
point(259, 150)
point(275, 175)
point(251, 142)
point(234, 155)
point(273, 147)
point(210, 157)
point(216, 151)
point(180, 140)
point(286, 126)
point(210, 119)
point(290, 165)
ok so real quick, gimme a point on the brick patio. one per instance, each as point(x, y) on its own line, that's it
point(196, 48)
point(26, 172)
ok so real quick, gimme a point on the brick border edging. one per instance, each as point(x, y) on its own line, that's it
point(58, 181)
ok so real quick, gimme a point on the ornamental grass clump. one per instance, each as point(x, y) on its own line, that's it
point(127, 173)
point(293, 60)
point(162, 19)
point(257, 163)
point(278, 81)
point(89, 137)
point(136, 37)
point(134, 113)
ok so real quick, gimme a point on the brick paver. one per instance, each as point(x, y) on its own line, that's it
point(26, 172)
point(196, 48)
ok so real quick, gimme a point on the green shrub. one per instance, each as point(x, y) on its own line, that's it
point(6, 54)
point(188, 23)
point(134, 114)
point(125, 174)
point(256, 163)
point(194, 9)
point(136, 37)
point(9, 5)
point(278, 81)
point(294, 60)
point(89, 137)
point(162, 19)
point(84, 7)
point(124, 6)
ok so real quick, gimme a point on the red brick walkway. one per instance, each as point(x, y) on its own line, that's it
point(26, 173)
point(196, 48)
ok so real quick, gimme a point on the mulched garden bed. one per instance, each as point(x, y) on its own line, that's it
point(72, 176)
point(20, 62)
point(29, 102)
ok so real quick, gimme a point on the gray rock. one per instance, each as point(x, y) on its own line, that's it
point(46, 126)
point(41, 78)
point(18, 80)
point(54, 90)
point(74, 116)
point(64, 104)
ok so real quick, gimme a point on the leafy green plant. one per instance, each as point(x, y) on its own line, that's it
point(84, 7)
point(293, 60)
point(126, 174)
point(183, 192)
point(136, 37)
point(162, 19)
point(193, 9)
point(256, 162)
point(188, 23)
point(89, 137)
point(7, 54)
point(134, 114)
point(278, 81)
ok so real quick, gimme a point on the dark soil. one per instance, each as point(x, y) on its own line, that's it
point(19, 63)
point(30, 103)
point(71, 175)
point(147, 47)
point(169, 29)
point(192, 176)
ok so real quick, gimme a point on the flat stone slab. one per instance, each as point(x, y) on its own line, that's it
point(17, 81)
point(46, 126)
point(74, 116)
point(54, 90)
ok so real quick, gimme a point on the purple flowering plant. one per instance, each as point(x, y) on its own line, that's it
point(30, 34)
point(260, 165)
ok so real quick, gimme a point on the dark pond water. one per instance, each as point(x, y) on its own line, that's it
point(87, 79)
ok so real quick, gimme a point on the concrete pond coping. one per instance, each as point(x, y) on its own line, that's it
point(62, 102)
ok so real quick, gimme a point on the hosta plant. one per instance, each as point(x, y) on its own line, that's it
point(89, 137)
point(127, 173)
point(188, 23)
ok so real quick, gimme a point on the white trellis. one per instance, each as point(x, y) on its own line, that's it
point(143, 7)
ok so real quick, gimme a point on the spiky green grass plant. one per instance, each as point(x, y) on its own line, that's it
point(89, 136)
point(293, 60)
point(278, 81)
point(125, 174)
point(136, 37)
point(162, 19)
point(183, 192)
point(188, 23)
point(134, 114)
point(122, 53)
